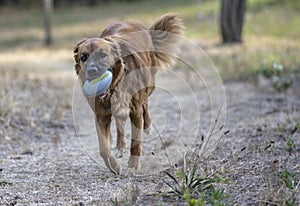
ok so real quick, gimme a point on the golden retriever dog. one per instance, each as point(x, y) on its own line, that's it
point(133, 53)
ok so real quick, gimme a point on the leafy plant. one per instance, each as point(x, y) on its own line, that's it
point(291, 145)
point(186, 180)
point(4, 183)
point(279, 75)
point(296, 128)
point(195, 189)
point(192, 201)
point(290, 202)
point(217, 197)
point(288, 178)
point(291, 188)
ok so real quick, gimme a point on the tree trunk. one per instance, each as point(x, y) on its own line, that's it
point(231, 20)
point(48, 5)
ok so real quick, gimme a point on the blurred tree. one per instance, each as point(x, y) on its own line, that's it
point(24, 4)
point(91, 2)
point(231, 20)
point(48, 5)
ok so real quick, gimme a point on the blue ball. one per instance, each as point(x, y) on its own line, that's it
point(98, 86)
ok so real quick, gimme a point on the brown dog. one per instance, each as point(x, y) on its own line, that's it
point(133, 53)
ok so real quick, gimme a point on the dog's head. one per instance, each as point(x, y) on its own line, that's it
point(93, 56)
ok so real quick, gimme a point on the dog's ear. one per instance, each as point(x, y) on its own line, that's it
point(118, 69)
point(77, 55)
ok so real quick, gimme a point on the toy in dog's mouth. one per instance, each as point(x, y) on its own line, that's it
point(98, 87)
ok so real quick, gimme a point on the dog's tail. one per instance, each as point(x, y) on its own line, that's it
point(166, 33)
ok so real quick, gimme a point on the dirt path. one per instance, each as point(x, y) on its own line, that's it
point(42, 161)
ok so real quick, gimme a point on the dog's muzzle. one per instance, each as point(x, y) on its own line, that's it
point(92, 72)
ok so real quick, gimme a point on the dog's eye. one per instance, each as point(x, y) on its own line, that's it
point(84, 57)
point(102, 55)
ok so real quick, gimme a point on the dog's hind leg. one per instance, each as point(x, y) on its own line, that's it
point(136, 149)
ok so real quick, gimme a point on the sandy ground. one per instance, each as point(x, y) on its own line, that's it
point(44, 162)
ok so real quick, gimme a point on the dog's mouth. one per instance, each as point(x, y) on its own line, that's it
point(93, 72)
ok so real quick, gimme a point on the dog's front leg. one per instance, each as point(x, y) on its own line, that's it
point(104, 138)
point(121, 140)
point(136, 149)
point(147, 120)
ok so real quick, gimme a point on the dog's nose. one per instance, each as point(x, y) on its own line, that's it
point(91, 71)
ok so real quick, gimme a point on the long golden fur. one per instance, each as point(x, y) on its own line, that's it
point(133, 53)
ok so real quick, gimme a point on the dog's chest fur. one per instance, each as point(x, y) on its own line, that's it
point(120, 101)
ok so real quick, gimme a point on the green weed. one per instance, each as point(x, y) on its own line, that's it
point(186, 180)
point(296, 128)
point(5, 183)
point(290, 202)
point(291, 145)
point(196, 189)
point(288, 178)
point(217, 197)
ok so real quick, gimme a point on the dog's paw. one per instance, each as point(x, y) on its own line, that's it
point(113, 164)
point(116, 168)
point(130, 172)
point(134, 164)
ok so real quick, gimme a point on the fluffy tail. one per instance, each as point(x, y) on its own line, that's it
point(166, 33)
